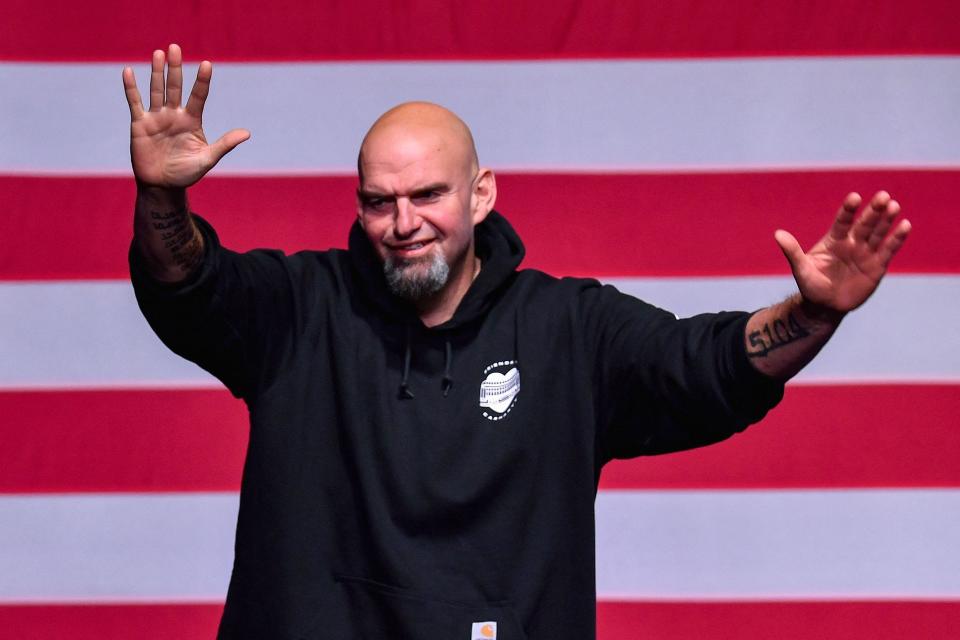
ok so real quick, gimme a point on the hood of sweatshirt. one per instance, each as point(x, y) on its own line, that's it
point(500, 251)
point(497, 245)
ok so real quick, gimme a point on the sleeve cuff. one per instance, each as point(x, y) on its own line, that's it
point(760, 384)
point(199, 279)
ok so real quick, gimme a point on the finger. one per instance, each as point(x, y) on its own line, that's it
point(174, 76)
point(790, 247)
point(883, 225)
point(865, 224)
point(226, 143)
point(133, 94)
point(880, 199)
point(156, 81)
point(894, 242)
point(201, 87)
point(844, 219)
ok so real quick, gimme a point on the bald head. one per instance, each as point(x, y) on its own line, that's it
point(414, 128)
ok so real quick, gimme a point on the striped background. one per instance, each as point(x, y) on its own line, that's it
point(655, 145)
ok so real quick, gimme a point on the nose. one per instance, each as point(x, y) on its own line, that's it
point(406, 222)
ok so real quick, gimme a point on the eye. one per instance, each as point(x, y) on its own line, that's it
point(377, 204)
point(426, 197)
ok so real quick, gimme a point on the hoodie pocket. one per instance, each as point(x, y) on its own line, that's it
point(379, 611)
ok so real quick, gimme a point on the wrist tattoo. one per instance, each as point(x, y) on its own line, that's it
point(775, 335)
point(179, 237)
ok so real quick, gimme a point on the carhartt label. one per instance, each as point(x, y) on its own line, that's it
point(484, 631)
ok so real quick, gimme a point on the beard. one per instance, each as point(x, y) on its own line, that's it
point(415, 280)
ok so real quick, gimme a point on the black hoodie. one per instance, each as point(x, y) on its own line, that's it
point(411, 483)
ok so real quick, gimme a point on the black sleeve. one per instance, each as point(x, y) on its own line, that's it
point(665, 384)
point(234, 317)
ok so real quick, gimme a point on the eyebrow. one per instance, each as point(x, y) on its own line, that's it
point(373, 194)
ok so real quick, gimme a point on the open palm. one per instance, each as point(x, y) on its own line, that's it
point(845, 267)
point(167, 144)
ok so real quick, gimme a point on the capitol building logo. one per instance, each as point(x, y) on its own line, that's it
point(499, 389)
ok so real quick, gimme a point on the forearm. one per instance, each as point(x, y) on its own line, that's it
point(783, 338)
point(165, 233)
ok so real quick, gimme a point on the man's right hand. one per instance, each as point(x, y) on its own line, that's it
point(167, 145)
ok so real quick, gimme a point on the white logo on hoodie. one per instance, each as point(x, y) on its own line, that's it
point(499, 389)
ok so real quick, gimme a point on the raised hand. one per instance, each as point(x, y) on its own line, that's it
point(167, 145)
point(844, 268)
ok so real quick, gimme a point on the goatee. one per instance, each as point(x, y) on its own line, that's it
point(408, 279)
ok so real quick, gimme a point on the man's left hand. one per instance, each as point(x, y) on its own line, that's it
point(844, 268)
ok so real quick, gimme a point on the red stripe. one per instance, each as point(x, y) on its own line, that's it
point(820, 436)
point(111, 622)
point(600, 225)
point(615, 621)
point(421, 29)
point(139, 440)
point(780, 620)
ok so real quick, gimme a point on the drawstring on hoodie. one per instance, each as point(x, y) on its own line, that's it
point(446, 384)
point(405, 392)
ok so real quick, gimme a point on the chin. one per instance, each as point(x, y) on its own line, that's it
point(416, 279)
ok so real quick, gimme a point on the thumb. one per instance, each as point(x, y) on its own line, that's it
point(227, 142)
point(790, 247)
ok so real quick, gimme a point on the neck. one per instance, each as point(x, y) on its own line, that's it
point(441, 306)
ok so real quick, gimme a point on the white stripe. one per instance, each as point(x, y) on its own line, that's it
point(553, 115)
point(116, 547)
point(697, 545)
point(778, 545)
point(84, 334)
point(91, 334)
point(903, 333)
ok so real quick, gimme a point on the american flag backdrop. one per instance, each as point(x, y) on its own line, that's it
point(656, 145)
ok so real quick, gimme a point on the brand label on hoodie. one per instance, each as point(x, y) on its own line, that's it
point(499, 389)
point(484, 631)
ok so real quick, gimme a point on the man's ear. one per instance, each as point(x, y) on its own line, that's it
point(484, 194)
point(359, 204)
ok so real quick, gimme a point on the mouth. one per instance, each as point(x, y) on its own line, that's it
point(410, 250)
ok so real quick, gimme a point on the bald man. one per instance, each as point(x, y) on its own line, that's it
point(428, 423)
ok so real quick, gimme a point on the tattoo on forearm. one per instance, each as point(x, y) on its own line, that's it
point(775, 335)
point(178, 237)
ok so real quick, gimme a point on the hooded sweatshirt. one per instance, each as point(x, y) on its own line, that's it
point(404, 482)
